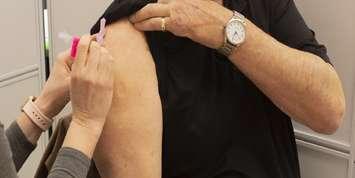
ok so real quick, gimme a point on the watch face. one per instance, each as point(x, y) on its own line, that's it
point(235, 32)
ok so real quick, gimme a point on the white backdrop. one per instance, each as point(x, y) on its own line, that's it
point(21, 64)
point(334, 24)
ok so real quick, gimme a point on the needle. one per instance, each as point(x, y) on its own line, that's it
point(102, 32)
point(99, 38)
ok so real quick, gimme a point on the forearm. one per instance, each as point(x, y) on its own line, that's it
point(75, 156)
point(29, 129)
point(299, 83)
point(82, 138)
point(20, 144)
point(23, 134)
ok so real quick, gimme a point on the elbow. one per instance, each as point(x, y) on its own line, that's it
point(329, 126)
point(329, 118)
point(330, 110)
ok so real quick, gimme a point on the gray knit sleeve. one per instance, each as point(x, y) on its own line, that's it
point(7, 167)
point(21, 148)
point(70, 163)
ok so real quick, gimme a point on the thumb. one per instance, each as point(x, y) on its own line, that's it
point(68, 60)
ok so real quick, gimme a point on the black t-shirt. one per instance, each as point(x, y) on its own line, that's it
point(217, 123)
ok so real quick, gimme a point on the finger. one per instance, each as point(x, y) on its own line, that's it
point(164, 1)
point(153, 24)
point(93, 56)
point(64, 57)
point(83, 49)
point(68, 62)
point(67, 59)
point(150, 11)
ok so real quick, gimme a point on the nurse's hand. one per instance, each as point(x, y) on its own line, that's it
point(55, 94)
point(91, 91)
point(52, 99)
point(91, 88)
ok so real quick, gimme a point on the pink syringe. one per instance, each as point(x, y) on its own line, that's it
point(99, 38)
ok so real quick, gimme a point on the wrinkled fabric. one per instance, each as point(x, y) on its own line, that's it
point(217, 123)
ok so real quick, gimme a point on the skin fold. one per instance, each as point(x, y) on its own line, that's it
point(131, 142)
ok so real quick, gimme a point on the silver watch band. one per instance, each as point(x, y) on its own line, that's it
point(228, 47)
point(239, 16)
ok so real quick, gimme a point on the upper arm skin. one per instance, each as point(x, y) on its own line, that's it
point(130, 145)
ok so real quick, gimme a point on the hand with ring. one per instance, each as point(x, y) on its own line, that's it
point(202, 21)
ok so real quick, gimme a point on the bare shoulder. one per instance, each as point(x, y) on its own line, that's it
point(123, 33)
point(134, 67)
point(130, 145)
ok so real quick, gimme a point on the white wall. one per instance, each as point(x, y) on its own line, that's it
point(21, 64)
point(334, 24)
point(75, 17)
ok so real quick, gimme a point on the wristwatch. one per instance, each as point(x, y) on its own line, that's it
point(234, 34)
point(35, 114)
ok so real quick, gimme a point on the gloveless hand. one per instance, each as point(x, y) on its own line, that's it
point(202, 21)
point(91, 88)
point(55, 94)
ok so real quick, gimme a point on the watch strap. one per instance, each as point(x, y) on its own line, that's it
point(228, 47)
point(36, 116)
